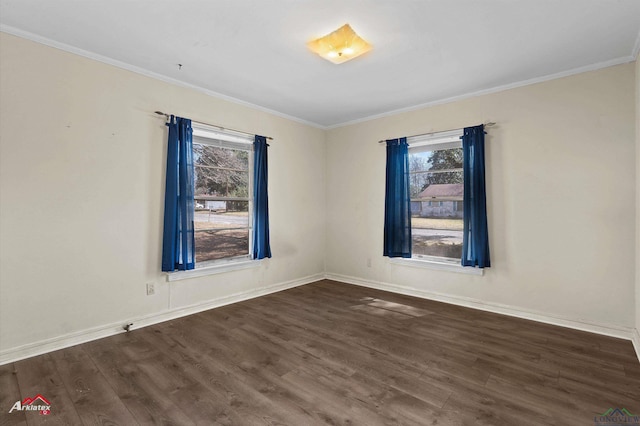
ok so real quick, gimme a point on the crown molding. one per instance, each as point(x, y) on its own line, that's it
point(138, 70)
point(496, 89)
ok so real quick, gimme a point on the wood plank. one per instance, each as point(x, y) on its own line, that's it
point(171, 377)
point(9, 395)
point(95, 401)
point(481, 406)
point(252, 397)
point(38, 377)
point(378, 312)
point(399, 307)
point(147, 403)
point(546, 396)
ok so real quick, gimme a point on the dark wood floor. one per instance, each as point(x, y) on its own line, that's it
point(331, 353)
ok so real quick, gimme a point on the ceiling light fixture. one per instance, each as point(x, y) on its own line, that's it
point(340, 46)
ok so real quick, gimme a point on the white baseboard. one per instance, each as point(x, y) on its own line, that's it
point(83, 336)
point(612, 330)
point(635, 339)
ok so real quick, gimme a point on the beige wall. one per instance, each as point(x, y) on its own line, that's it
point(561, 190)
point(637, 114)
point(82, 160)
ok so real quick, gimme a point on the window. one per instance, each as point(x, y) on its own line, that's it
point(223, 177)
point(437, 190)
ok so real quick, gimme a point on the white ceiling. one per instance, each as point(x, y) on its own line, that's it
point(255, 51)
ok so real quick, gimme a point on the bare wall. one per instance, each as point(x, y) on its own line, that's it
point(561, 190)
point(82, 159)
point(637, 115)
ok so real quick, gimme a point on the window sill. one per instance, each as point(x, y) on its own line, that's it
point(441, 265)
point(216, 268)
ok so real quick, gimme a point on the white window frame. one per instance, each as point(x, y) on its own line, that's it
point(213, 136)
point(441, 140)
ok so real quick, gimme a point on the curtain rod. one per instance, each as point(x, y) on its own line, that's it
point(214, 125)
point(488, 124)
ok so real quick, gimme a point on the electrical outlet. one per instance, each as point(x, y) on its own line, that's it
point(151, 289)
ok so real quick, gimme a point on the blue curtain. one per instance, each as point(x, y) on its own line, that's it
point(397, 204)
point(261, 246)
point(475, 241)
point(178, 242)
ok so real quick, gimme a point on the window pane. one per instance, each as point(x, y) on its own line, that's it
point(438, 236)
point(221, 182)
point(221, 172)
point(424, 167)
point(219, 244)
point(205, 155)
point(435, 160)
point(222, 226)
point(221, 214)
point(437, 190)
point(443, 185)
point(238, 184)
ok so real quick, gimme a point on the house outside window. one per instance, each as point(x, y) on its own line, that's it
point(437, 193)
point(223, 177)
